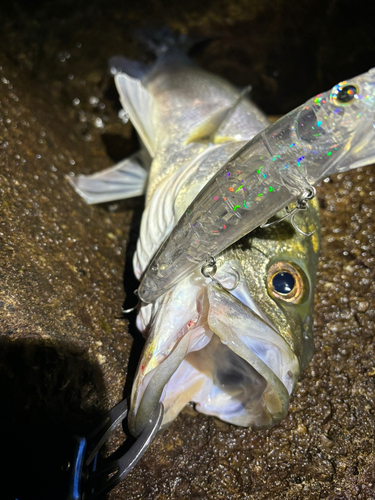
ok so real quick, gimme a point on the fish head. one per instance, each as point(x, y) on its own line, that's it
point(340, 123)
point(234, 345)
point(279, 265)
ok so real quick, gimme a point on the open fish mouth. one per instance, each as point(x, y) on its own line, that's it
point(209, 347)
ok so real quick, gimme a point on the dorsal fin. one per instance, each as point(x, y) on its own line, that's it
point(207, 131)
point(138, 103)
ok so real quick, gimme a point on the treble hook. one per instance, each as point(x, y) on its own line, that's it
point(134, 308)
point(301, 204)
point(209, 270)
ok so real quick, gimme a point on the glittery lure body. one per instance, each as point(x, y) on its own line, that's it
point(330, 133)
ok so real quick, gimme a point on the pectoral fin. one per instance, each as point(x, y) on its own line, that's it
point(126, 179)
point(208, 130)
point(138, 103)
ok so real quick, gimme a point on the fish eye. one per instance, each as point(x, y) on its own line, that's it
point(343, 94)
point(286, 281)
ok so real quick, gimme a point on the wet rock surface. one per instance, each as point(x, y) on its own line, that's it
point(64, 351)
point(65, 267)
point(325, 447)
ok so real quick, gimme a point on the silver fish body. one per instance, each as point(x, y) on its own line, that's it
point(187, 102)
point(233, 341)
point(185, 97)
point(237, 355)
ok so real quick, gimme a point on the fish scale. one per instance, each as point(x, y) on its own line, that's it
point(183, 100)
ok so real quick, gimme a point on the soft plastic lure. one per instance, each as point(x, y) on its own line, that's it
point(331, 133)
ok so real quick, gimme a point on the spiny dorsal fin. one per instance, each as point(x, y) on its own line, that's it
point(126, 179)
point(207, 130)
point(138, 103)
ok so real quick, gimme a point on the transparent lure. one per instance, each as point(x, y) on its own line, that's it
point(331, 133)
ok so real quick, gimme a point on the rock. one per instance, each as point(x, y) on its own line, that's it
point(64, 346)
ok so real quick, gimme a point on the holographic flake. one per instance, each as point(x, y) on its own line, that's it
point(339, 121)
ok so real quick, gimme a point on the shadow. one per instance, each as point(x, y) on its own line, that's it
point(118, 147)
point(49, 393)
point(130, 285)
point(111, 93)
point(282, 230)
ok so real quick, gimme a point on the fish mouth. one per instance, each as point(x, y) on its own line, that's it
point(220, 354)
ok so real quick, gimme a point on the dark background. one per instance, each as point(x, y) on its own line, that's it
point(288, 51)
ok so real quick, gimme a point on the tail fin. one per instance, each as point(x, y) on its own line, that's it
point(135, 69)
point(156, 42)
point(160, 41)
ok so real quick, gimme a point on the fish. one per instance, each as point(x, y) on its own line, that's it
point(331, 133)
point(233, 339)
point(237, 355)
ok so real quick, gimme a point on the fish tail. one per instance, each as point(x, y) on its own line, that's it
point(160, 41)
point(163, 45)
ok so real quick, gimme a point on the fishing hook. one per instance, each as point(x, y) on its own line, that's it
point(209, 269)
point(131, 309)
point(301, 204)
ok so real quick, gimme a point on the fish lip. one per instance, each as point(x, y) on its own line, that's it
point(148, 388)
point(281, 382)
